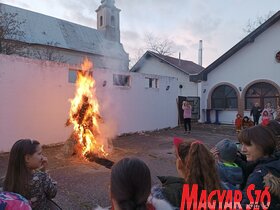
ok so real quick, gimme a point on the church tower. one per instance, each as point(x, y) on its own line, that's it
point(108, 20)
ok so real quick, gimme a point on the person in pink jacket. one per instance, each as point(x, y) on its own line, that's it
point(187, 109)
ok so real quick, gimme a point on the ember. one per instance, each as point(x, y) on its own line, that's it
point(84, 115)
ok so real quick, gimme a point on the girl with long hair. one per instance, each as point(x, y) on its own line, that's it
point(26, 174)
point(195, 164)
point(198, 166)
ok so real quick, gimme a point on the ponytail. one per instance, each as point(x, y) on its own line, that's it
point(201, 168)
point(130, 184)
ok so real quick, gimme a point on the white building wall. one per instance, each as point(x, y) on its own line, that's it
point(155, 66)
point(255, 61)
point(35, 101)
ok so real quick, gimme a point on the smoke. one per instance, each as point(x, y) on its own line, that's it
point(109, 128)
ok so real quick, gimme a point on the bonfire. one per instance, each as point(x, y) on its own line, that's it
point(84, 115)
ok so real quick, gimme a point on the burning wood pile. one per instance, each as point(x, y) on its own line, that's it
point(86, 139)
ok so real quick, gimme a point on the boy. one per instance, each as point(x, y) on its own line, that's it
point(230, 173)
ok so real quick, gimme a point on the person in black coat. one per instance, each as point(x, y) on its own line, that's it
point(259, 146)
point(256, 112)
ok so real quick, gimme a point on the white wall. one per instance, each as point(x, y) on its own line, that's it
point(255, 61)
point(154, 66)
point(34, 101)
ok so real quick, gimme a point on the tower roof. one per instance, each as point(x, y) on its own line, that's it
point(108, 2)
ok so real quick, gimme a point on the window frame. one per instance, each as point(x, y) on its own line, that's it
point(74, 78)
point(264, 89)
point(123, 80)
point(153, 82)
point(225, 98)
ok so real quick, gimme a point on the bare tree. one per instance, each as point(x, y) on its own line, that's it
point(10, 33)
point(48, 52)
point(253, 24)
point(162, 46)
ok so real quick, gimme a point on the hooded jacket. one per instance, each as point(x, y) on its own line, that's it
point(266, 173)
point(230, 174)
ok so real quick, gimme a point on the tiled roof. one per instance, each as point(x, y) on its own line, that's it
point(45, 30)
point(186, 66)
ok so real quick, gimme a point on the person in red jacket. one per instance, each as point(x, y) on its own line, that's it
point(238, 123)
point(265, 117)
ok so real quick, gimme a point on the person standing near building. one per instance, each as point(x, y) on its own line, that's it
point(269, 110)
point(256, 112)
point(187, 108)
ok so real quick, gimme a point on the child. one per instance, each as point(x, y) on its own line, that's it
point(238, 123)
point(230, 174)
point(247, 122)
point(195, 165)
point(265, 118)
point(187, 114)
point(26, 174)
point(130, 187)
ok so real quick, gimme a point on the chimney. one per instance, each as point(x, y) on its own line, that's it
point(179, 62)
point(200, 53)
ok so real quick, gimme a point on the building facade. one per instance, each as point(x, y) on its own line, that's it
point(48, 38)
point(248, 73)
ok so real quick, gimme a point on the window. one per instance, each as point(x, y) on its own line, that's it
point(73, 74)
point(224, 97)
point(101, 21)
point(261, 93)
point(151, 82)
point(121, 80)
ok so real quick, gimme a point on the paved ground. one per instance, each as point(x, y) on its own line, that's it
point(82, 184)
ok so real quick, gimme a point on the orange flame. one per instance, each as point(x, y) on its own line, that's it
point(84, 112)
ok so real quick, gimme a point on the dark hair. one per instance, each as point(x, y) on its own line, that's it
point(274, 127)
point(18, 174)
point(246, 118)
point(260, 136)
point(130, 184)
point(238, 115)
point(200, 166)
point(265, 112)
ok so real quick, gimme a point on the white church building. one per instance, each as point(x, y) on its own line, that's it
point(49, 38)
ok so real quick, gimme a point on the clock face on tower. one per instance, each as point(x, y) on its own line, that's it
point(277, 56)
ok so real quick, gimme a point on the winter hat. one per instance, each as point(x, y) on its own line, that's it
point(227, 150)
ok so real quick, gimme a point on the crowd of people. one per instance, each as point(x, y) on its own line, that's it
point(258, 114)
point(225, 167)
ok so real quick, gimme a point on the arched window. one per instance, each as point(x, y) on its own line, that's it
point(101, 21)
point(224, 97)
point(112, 20)
point(261, 93)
